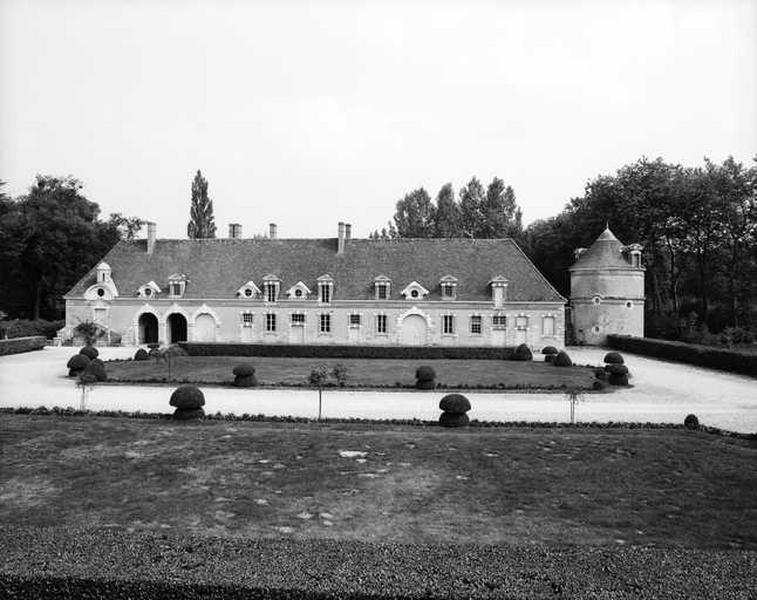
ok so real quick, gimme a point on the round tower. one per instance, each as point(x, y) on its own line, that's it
point(607, 290)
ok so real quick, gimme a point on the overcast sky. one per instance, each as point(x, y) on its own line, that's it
point(307, 113)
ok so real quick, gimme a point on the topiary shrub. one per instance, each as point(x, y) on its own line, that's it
point(154, 353)
point(425, 385)
point(90, 352)
point(600, 374)
point(549, 350)
point(455, 404)
point(244, 375)
point(618, 379)
point(77, 363)
point(562, 359)
point(614, 358)
point(187, 397)
point(141, 354)
point(691, 422)
point(598, 385)
point(453, 420)
point(617, 369)
point(522, 352)
point(173, 351)
point(425, 377)
point(96, 368)
point(181, 414)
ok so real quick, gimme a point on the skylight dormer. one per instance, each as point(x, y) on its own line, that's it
point(299, 291)
point(177, 285)
point(325, 288)
point(448, 287)
point(249, 291)
point(148, 290)
point(499, 290)
point(271, 286)
point(414, 291)
point(383, 287)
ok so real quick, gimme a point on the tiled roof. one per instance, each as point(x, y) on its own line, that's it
point(216, 268)
point(605, 252)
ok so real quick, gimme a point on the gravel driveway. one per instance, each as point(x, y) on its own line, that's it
point(661, 392)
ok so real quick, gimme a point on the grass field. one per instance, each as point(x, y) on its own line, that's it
point(363, 372)
point(412, 484)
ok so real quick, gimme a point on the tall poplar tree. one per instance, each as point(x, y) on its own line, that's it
point(201, 222)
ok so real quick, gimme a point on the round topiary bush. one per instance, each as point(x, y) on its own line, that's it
point(617, 369)
point(549, 350)
point(562, 359)
point(187, 397)
point(87, 378)
point(77, 363)
point(453, 420)
point(425, 373)
point(90, 352)
point(600, 374)
point(548, 358)
point(522, 352)
point(614, 358)
point(455, 404)
point(244, 375)
point(691, 422)
point(598, 385)
point(141, 354)
point(618, 379)
point(424, 384)
point(154, 353)
point(96, 368)
point(182, 414)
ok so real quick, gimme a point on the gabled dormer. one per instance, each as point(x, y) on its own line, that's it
point(102, 290)
point(499, 290)
point(414, 291)
point(383, 287)
point(325, 288)
point(148, 290)
point(249, 291)
point(299, 291)
point(271, 286)
point(177, 285)
point(448, 287)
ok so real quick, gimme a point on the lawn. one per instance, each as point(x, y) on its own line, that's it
point(609, 487)
point(363, 372)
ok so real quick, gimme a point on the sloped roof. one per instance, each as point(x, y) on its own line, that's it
point(216, 268)
point(605, 252)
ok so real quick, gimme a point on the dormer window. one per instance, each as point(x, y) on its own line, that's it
point(499, 290)
point(325, 289)
point(271, 285)
point(248, 291)
point(382, 285)
point(176, 285)
point(298, 291)
point(414, 291)
point(448, 287)
point(148, 290)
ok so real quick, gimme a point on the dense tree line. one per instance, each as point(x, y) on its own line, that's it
point(49, 238)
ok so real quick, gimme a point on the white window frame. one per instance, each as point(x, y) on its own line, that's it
point(270, 322)
point(448, 324)
point(359, 320)
point(496, 317)
point(297, 319)
point(247, 318)
point(382, 324)
point(324, 323)
point(478, 321)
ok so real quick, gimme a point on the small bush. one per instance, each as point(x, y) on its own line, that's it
point(90, 352)
point(598, 385)
point(549, 350)
point(455, 404)
point(616, 369)
point(522, 352)
point(548, 358)
point(614, 358)
point(562, 359)
point(96, 367)
point(173, 351)
point(620, 380)
point(318, 376)
point(425, 384)
point(340, 374)
point(425, 374)
point(187, 397)
point(453, 420)
point(18, 328)
point(141, 354)
point(243, 370)
point(77, 363)
point(87, 378)
point(691, 422)
point(185, 414)
point(600, 374)
point(155, 353)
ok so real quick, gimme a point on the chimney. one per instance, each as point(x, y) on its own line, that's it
point(235, 231)
point(272, 231)
point(348, 231)
point(340, 240)
point(151, 232)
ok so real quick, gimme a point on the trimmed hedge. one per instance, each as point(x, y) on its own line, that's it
point(20, 328)
point(455, 404)
point(613, 358)
point(562, 359)
point(141, 354)
point(549, 350)
point(187, 397)
point(344, 351)
point(693, 354)
point(617, 369)
point(522, 352)
point(691, 422)
point(616, 379)
point(96, 368)
point(447, 419)
point(244, 375)
point(425, 373)
point(22, 344)
point(77, 363)
point(90, 352)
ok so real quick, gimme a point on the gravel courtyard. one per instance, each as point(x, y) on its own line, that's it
point(661, 392)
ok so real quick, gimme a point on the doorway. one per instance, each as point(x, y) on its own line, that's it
point(413, 331)
point(177, 328)
point(148, 328)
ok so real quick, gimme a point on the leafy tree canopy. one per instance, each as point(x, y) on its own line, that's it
point(201, 221)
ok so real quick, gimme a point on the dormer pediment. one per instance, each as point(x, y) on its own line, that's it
point(325, 278)
point(271, 277)
point(499, 281)
point(382, 279)
point(177, 277)
point(299, 291)
point(102, 290)
point(448, 279)
point(148, 290)
point(248, 290)
point(414, 291)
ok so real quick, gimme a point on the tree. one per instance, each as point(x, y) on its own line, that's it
point(414, 216)
point(471, 207)
point(448, 222)
point(128, 227)
point(500, 214)
point(201, 222)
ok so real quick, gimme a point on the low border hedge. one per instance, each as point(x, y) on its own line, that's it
point(22, 344)
point(693, 354)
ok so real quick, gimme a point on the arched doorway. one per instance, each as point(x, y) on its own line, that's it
point(177, 328)
point(413, 331)
point(148, 328)
point(205, 328)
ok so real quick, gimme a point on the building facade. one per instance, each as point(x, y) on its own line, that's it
point(341, 290)
point(607, 290)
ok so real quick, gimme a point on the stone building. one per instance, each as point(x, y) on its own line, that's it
point(467, 292)
point(607, 290)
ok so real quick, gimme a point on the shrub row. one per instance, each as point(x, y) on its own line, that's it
point(693, 354)
point(344, 351)
point(22, 344)
point(17, 328)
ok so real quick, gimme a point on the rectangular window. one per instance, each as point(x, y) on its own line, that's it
point(270, 292)
point(548, 326)
point(475, 325)
point(247, 319)
point(176, 289)
point(354, 320)
point(521, 322)
point(382, 291)
point(499, 322)
point(298, 319)
point(325, 323)
point(448, 290)
point(448, 324)
point(380, 323)
point(270, 322)
point(325, 294)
